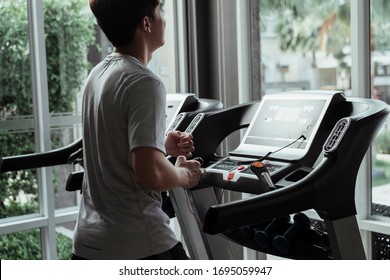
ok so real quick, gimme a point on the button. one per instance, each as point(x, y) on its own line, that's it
point(231, 176)
point(258, 164)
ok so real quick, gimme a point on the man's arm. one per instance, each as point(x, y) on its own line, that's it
point(155, 172)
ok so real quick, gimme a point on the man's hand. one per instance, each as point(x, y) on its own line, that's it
point(179, 144)
point(193, 171)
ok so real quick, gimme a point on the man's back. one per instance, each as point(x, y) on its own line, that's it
point(123, 109)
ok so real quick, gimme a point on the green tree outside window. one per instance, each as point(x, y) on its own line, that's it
point(69, 31)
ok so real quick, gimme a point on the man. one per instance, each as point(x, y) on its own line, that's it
point(124, 143)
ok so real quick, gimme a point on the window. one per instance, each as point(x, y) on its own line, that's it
point(310, 47)
point(305, 46)
point(380, 61)
point(40, 110)
point(163, 62)
point(53, 79)
point(16, 108)
point(302, 47)
point(380, 89)
point(69, 35)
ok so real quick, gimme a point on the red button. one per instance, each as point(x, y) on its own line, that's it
point(231, 175)
point(241, 167)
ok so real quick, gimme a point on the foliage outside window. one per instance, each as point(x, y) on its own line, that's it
point(25, 245)
point(309, 26)
point(68, 34)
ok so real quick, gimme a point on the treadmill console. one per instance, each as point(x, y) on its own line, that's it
point(283, 134)
point(278, 165)
point(286, 124)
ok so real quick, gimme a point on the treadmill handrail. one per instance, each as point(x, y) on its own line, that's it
point(219, 125)
point(36, 160)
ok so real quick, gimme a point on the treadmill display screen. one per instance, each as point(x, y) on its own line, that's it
point(281, 122)
point(284, 125)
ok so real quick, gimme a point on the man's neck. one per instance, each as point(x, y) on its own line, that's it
point(139, 53)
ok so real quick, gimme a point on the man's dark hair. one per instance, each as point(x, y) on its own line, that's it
point(119, 18)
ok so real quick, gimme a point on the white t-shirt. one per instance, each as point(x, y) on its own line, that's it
point(123, 108)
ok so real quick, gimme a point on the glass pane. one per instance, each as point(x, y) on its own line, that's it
point(23, 245)
point(63, 198)
point(380, 58)
point(62, 137)
point(72, 48)
point(69, 34)
point(64, 240)
point(305, 45)
point(15, 80)
point(163, 62)
point(26, 245)
point(18, 192)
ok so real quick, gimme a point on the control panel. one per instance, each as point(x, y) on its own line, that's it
point(241, 166)
point(238, 173)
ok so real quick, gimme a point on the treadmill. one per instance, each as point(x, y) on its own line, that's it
point(312, 144)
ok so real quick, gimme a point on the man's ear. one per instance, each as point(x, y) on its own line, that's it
point(146, 26)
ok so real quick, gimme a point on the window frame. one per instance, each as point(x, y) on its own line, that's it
point(48, 217)
point(361, 87)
